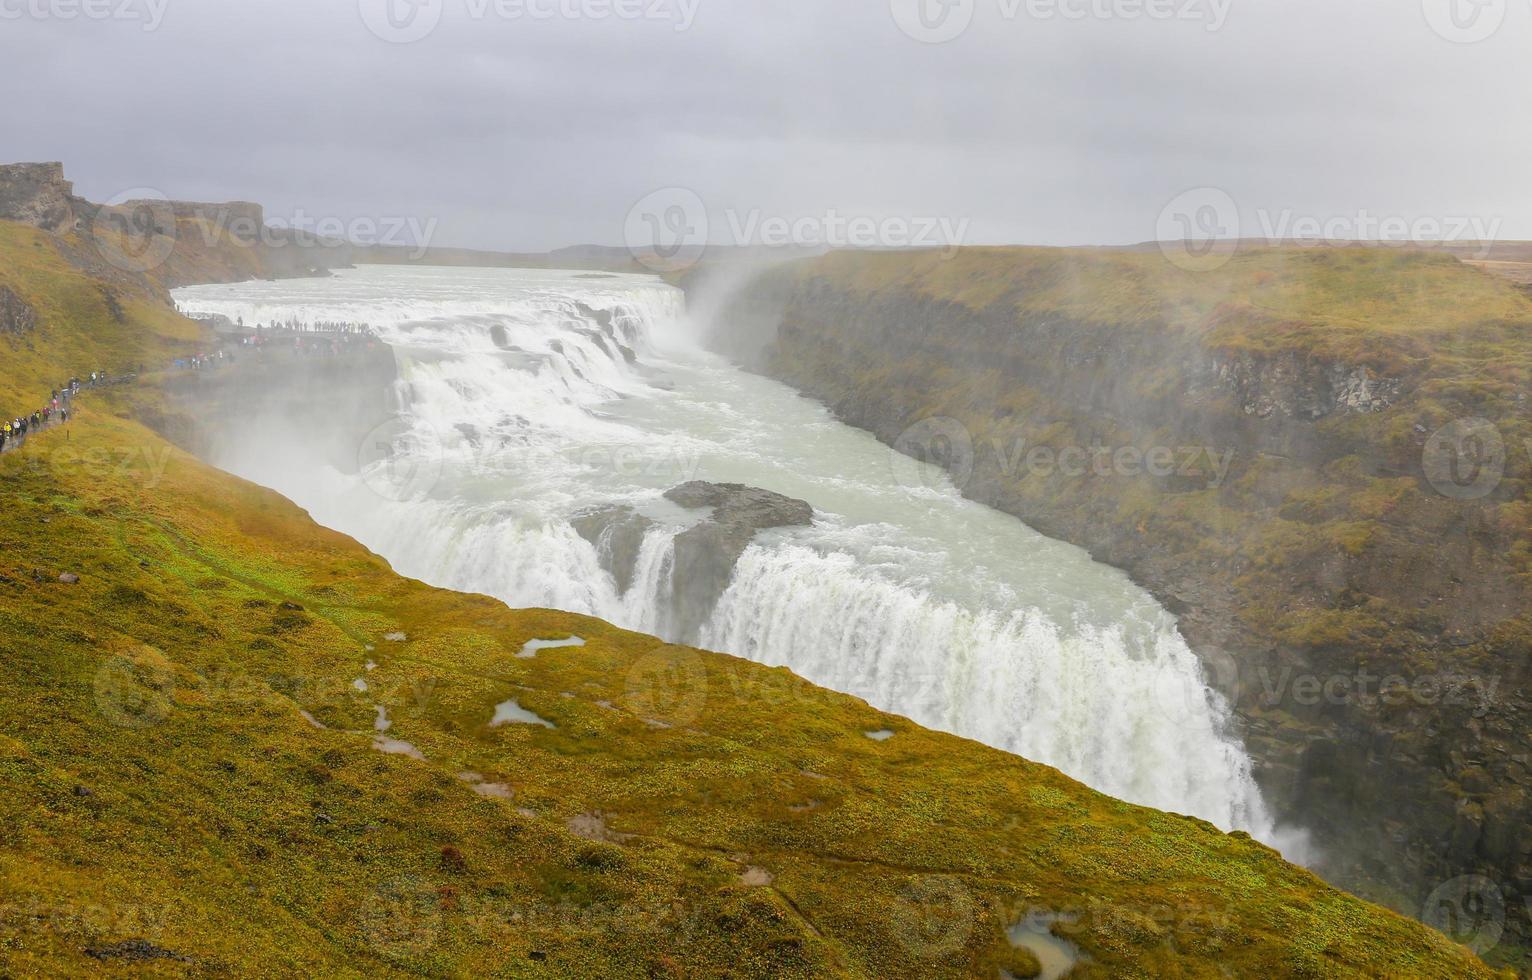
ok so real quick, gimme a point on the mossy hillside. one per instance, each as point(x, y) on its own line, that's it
point(222, 825)
point(1393, 291)
point(161, 782)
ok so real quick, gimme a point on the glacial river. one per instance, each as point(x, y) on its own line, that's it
point(531, 397)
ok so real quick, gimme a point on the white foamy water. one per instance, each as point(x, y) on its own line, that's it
point(529, 398)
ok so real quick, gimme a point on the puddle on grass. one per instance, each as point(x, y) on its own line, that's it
point(880, 736)
point(757, 878)
point(1057, 956)
point(392, 746)
point(533, 647)
point(511, 713)
point(495, 791)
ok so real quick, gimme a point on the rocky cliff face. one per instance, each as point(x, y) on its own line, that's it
point(37, 194)
point(1271, 476)
point(160, 244)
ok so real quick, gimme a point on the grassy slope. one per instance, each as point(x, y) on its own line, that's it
point(160, 783)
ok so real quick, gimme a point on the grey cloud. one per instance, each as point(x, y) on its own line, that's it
point(523, 135)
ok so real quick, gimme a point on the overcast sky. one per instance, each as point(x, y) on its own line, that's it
point(503, 130)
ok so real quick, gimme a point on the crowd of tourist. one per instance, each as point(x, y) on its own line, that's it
point(15, 431)
point(323, 339)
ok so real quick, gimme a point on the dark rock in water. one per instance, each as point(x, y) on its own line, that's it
point(599, 339)
point(705, 555)
point(602, 318)
point(735, 503)
point(501, 339)
point(617, 533)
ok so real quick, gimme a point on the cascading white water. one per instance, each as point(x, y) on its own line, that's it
point(530, 398)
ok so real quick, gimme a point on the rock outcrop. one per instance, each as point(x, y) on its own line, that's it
point(704, 555)
point(617, 534)
point(37, 194)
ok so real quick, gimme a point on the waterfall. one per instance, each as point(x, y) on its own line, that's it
point(537, 398)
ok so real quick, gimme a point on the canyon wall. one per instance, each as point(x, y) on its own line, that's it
point(1317, 459)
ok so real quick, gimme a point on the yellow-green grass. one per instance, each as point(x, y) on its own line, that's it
point(225, 827)
point(1342, 302)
